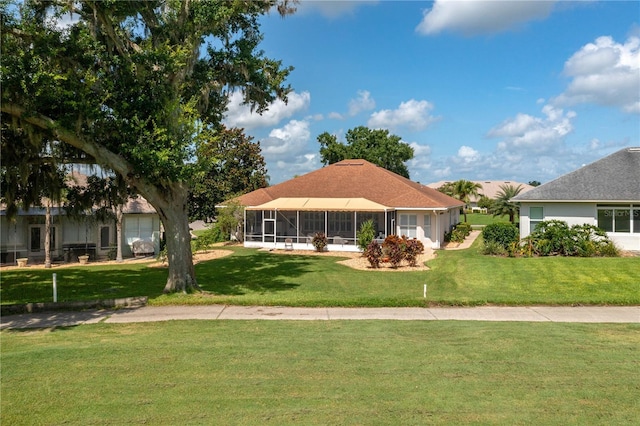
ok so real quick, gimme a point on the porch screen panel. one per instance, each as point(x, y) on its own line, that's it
point(287, 224)
point(312, 222)
point(253, 225)
point(636, 220)
point(377, 218)
point(341, 223)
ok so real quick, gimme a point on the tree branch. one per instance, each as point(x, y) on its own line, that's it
point(95, 150)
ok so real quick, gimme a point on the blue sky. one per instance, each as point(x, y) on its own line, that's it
point(503, 90)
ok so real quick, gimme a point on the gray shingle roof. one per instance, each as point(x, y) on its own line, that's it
point(612, 178)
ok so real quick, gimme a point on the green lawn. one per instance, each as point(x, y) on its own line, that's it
point(485, 219)
point(252, 277)
point(322, 372)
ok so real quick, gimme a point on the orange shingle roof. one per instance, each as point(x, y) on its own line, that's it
point(355, 179)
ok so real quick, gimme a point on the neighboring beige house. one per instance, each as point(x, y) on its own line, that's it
point(605, 193)
point(490, 189)
point(336, 199)
point(24, 236)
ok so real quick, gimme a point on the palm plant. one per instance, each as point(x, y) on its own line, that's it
point(502, 205)
point(463, 189)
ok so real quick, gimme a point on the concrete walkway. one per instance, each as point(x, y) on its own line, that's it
point(583, 314)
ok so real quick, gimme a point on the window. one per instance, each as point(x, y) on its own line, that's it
point(618, 219)
point(622, 220)
point(105, 237)
point(340, 222)
point(427, 225)
point(312, 222)
point(536, 215)
point(409, 225)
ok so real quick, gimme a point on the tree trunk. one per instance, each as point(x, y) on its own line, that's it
point(47, 236)
point(118, 212)
point(171, 206)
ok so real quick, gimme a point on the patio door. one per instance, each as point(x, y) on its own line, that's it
point(269, 234)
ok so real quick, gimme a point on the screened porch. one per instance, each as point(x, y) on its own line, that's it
point(279, 227)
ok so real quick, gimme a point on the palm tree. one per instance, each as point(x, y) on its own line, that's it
point(463, 189)
point(502, 205)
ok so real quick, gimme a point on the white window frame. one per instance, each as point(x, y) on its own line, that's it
point(408, 225)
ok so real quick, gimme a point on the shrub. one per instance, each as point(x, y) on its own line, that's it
point(458, 233)
point(493, 248)
point(209, 237)
point(319, 241)
point(373, 254)
point(366, 234)
point(501, 233)
point(555, 237)
point(412, 248)
point(394, 246)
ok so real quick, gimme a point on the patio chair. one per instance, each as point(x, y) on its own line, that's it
point(288, 244)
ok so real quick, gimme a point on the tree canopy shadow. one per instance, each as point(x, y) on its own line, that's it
point(255, 271)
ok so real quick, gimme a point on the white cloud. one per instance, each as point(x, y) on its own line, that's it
point(412, 114)
point(534, 134)
point(467, 154)
point(481, 16)
point(239, 115)
point(604, 73)
point(287, 140)
point(364, 102)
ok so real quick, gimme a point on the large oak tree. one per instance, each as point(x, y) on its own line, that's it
point(133, 85)
point(377, 146)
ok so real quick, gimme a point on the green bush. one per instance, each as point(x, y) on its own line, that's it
point(458, 233)
point(493, 248)
point(502, 233)
point(366, 234)
point(556, 238)
point(209, 237)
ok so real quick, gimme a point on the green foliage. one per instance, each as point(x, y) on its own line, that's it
point(366, 234)
point(209, 237)
point(230, 164)
point(376, 146)
point(462, 190)
point(136, 87)
point(555, 237)
point(493, 248)
point(373, 253)
point(458, 233)
point(229, 220)
point(485, 202)
point(319, 241)
point(500, 233)
point(502, 205)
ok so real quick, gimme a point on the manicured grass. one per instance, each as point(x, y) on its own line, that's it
point(324, 372)
point(485, 219)
point(252, 277)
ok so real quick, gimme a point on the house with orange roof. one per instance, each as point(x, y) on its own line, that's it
point(337, 199)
